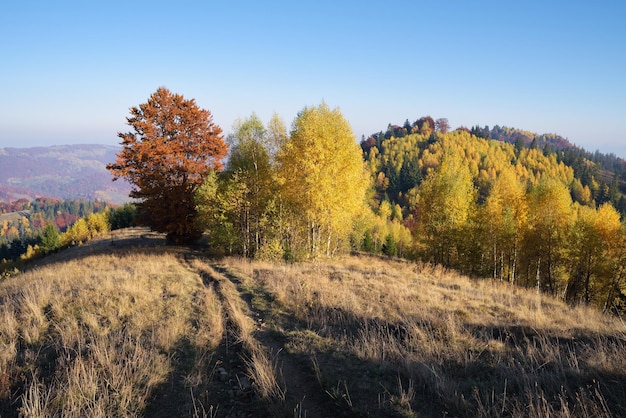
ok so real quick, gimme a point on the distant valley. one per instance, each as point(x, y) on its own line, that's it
point(61, 171)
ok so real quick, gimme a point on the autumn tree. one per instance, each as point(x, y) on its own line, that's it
point(75, 234)
point(323, 179)
point(219, 201)
point(424, 125)
point(250, 167)
point(505, 213)
point(583, 245)
point(442, 125)
point(276, 135)
point(98, 223)
point(550, 215)
point(445, 199)
point(612, 254)
point(595, 248)
point(168, 153)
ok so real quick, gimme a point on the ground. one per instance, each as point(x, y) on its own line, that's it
point(129, 326)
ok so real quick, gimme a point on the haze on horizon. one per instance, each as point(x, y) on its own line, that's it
point(73, 69)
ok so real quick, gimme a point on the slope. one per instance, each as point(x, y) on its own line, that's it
point(127, 326)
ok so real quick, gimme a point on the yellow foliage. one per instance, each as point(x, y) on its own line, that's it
point(608, 225)
point(76, 234)
point(31, 252)
point(384, 210)
point(323, 177)
point(445, 200)
point(97, 224)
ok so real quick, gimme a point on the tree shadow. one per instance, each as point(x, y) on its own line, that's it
point(466, 387)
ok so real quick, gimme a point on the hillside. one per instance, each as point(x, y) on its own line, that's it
point(64, 172)
point(126, 326)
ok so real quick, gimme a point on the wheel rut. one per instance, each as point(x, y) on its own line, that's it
point(296, 391)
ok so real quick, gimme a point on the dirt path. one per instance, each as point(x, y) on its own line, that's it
point(300, 395)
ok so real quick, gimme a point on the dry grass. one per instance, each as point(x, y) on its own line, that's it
point(96, 335)
point(123, 331)
point(419, 338)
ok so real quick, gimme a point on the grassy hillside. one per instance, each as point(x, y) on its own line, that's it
point(126, 326)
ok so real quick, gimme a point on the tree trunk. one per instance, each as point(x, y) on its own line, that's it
point(538, 277)
point(514, 261)
point(328, 242)
point(495, 260)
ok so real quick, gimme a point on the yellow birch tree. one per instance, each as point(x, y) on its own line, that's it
point(506, 213)
point(445, 199)
point(550, 216)
point(323, 178)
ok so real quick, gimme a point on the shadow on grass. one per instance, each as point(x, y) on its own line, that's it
point(179, 396)
point(515, 368)
point(565, 373)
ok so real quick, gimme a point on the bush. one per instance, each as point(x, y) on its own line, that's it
point(389, 247)
point(50, 239)
point(123, 217)
point(271, 251)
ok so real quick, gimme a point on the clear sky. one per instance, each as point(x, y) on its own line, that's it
point(71, 70)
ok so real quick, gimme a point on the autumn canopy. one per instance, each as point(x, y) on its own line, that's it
point(508, 211)
point(171, 149)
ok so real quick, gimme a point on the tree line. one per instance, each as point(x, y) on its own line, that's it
point(24, 219)
point(489, 208)
point(493, 209)
point(31, 228)
point(20, 250)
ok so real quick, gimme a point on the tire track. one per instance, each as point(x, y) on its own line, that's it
point(242, 363)
point(286, 385)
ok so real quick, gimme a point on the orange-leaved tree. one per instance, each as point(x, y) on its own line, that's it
point(172, 147)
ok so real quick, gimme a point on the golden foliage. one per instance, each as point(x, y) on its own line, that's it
point(446, 198)
point(322, 176)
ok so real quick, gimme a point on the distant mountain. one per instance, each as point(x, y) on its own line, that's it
point(62, 171)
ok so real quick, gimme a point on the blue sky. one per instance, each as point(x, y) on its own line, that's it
point(71, 70)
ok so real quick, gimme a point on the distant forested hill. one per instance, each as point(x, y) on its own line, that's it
point(405, 153)
point(63, 171)
point(552, 143)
